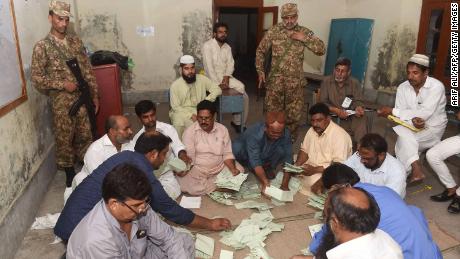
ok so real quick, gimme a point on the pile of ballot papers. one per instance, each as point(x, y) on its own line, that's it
point(317, 201)
point(225, 179)
point(292, 168)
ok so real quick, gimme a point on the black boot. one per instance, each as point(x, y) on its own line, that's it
point(69, 175)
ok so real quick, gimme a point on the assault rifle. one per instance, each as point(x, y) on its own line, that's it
point(85, 96)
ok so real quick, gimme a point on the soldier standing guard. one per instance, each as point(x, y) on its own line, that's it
point(51, 75)
point(284, 83)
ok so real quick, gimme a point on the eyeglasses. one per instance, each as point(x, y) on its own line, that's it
point(139, 211)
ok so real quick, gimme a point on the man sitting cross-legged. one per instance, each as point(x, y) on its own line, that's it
point(324, 143)
point(122, 224)
point(208, 144)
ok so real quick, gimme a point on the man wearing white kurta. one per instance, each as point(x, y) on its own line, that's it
point(186, 92)
point(421, 102)
point(118, 134)
point(375, 165)
point(436, 157)
point(219, 66)
point(146, 112)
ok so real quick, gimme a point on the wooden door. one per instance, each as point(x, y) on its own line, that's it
point(434, 38)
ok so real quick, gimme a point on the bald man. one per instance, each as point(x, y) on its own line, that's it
point(264, 146)
point(117, 137)
point(351, 218)
point(324, 143)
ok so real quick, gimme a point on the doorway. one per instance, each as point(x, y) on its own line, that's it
point(242, 38)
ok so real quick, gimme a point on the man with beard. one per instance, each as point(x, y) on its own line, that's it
point(264, 146)
point(285, 81)
point(146, 112)
point(51, 76)
point(186, 92)
point(374, 165)
point(351, 219)
point(118, 134)
point(208, 144)
point(405, 223)
point(421, 102)
point(324, 143)
point(341, 92)
point(150, 152)
point(123, 225)
point(219, 66)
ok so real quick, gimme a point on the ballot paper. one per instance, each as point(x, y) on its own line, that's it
point(294, 183)
point(250, 204)
point(317, 201)
point(204, 246)
point(222, 197)
point(225, 179)
point(350, 112)
point(190, 202)
point(248, 190)
point(315, 228)
point(251, 233)
point(292, 168)
point(279, 194)
point(225, 254)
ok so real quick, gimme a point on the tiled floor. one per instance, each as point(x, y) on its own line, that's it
point(296, 216)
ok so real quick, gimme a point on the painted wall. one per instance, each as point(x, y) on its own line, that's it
point(25, 131)
point(394, 38)
point(180, 27)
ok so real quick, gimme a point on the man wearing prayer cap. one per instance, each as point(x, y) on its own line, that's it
point(421, 102)
point(284, 83)
point(50, 75)
point(186, 92)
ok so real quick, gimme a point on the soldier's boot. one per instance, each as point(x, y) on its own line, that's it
point(69, 175)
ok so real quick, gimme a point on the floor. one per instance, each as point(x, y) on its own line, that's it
point(295, 216)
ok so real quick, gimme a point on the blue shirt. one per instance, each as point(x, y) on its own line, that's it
point(253, 148)
point(89, 193)
point(406, 224)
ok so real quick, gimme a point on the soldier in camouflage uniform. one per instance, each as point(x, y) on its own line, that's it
point(284, 82)
point(50, 75)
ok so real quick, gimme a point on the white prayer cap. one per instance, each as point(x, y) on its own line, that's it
point(420, 59)
point(187, 59)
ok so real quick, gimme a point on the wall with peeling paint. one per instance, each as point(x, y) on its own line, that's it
point(26, 133)
point(179, 27)
point(394, 38)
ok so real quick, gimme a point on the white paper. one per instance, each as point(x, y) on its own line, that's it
point(350, 112)
point(190, 202)
point(346, 102)
point(225, 254)
point(279, 194)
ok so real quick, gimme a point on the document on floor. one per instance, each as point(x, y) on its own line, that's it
point(190, 202)
point(225, 254)
point(204, 246)
point(279, 194)
point(225, 179)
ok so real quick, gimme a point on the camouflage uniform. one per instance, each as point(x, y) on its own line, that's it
point(49, 72)
point(284, 83)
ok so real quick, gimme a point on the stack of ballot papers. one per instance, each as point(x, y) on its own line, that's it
point(294, 183)
point(251, 233)
point(175, 164)
point(317, 201)
point(279, 194)
point(222, 197)
point(250, 204)
point(292, 168)
point(225, 179)
point(204, 247)
point(248, 190)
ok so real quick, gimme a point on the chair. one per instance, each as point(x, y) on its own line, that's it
point(231, 101)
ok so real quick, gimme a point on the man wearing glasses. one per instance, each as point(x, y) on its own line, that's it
point(374, 165)
point(209, 146)
point(123, 225)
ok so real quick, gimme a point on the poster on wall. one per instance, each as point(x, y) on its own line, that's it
point(12, 82)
